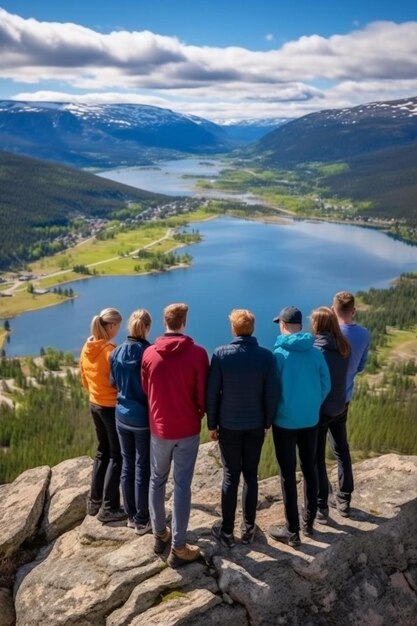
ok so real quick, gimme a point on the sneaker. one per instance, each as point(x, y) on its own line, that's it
point(142, 529)
point(226, 539)
point(162, 541)
point(93, 506)
point(107, 515)
point(322, 515)
point(308, 529)
point(130, 522)
point(282, 534)
point(248, 534)
point(182, 556)
point(342, 506)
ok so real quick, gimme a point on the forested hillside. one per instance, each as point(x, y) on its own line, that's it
point(50, 420)
point(39, 200)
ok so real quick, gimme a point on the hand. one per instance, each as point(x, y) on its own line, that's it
point(213, 434)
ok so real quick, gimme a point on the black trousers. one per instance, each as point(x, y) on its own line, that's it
point(286, 442)
point(105, 481)
point(336, 427)
point(240, 454)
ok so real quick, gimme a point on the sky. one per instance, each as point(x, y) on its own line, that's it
point(219, 59)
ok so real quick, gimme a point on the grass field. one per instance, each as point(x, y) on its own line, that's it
point(109, 257)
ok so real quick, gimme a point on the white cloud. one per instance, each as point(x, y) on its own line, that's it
point(270, 37)
point(376, 62)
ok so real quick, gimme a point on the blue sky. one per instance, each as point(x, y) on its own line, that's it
point(218, 59)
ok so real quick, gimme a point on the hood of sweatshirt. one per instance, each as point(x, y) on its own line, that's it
point(326, 341)
point(296, 342)
point(172, 344)
point(94, 347)
point(129, 352)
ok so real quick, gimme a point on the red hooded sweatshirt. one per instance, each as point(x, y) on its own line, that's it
point(174, 372)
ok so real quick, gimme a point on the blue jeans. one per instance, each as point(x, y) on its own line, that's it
point(105, 480)
point(336, 427)
point(134, 444)
point(183, 453)
point(286, 442)
point(240, 452)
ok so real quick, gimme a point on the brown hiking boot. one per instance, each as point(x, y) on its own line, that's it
point(183, 556)
point(161, 541)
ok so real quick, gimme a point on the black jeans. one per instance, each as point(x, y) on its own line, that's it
point(240, 453)
point(105, 481)
point(286, 442)
point(336, 427)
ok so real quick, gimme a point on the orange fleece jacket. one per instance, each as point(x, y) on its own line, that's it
point(95, 371)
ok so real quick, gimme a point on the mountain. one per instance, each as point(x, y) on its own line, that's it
point(37, 195)
point(341, 134)
point(250, 130)
point(377, 142)
point(104, 135)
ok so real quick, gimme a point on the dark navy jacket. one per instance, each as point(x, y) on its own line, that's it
point(125, 364)
point(242, 390)
point(338, 365)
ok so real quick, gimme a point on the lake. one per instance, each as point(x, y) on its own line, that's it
point(239, 263)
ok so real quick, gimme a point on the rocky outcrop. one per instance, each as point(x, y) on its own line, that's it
point(21, 505)
point(361, 570)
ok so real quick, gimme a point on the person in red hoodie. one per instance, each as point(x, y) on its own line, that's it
point(104, 497)
point(174, 373)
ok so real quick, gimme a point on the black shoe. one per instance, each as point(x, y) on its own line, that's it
point(93, 506)
point(107, 515)
point(248, 534)
point(308, 529)
point(322, 515)
point(282, 534)
point(226, 539)
point(162, 541)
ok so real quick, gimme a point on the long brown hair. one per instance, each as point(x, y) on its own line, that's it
point(324, 320)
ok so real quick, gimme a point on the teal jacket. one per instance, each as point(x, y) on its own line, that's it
point(303, 381)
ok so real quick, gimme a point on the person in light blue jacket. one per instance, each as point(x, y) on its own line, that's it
point(303, 381)
point(132, 421)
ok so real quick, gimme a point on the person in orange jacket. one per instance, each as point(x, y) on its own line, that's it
point(104, 497)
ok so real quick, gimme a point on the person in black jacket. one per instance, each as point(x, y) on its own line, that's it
point(132, 421)
point(242, 396)
point(336, 350)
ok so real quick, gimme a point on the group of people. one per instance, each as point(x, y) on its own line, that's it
point(147, 403)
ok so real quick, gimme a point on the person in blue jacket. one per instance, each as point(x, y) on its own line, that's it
point(303, 384)
point(132, 422)
point(241, 404)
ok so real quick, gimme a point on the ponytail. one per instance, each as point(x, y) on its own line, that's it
point(100, 323)
point(139, 323)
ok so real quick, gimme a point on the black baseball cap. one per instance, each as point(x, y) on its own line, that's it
point(290, 315)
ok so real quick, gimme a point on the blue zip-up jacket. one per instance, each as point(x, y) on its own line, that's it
point(303, 381)
point(125, 364)
point(241, 388)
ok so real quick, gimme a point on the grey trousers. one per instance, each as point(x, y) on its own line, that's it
point(183, 453)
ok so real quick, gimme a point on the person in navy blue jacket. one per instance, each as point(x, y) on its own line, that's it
point(242, 400)
point(132, 421)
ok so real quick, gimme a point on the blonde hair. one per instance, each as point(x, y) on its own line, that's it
point(139, 322)
point(100, 322)
point(344, 302)
point(175, 315)
point(242, 321)
point(323, 319)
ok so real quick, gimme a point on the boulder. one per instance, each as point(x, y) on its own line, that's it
point(21, 507)
point(7, 614)
point(66, 496)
